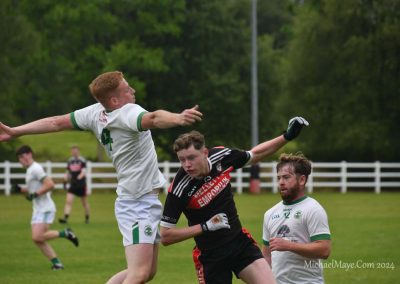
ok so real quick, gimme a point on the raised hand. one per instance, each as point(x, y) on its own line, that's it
point(190, 116)
point(294, 127)
point(6, 133)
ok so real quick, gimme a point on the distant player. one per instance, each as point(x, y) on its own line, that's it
point(122, 127)
point(296, 233)
point(38, 191)
point(76, 177)
point(201, 190)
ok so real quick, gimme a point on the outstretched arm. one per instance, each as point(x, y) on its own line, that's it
point(45, 125)
point(266, 149)
point(269, 147)
point(173, 235)
point(166, 119)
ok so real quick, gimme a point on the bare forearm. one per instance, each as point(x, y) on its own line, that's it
point(45, 125)
point(316, 250)
point(267, 148)
point(170, 236)
point(47, 186)
point(82, 174)
point(165, 119)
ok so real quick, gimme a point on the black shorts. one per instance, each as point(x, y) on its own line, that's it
point(78, 188)
point(217, 265)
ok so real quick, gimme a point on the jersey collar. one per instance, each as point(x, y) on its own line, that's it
point(295, 201)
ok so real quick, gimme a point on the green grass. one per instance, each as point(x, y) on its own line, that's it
point(364, 228)
point(56, 146)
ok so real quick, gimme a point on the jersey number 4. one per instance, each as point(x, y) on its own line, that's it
point(106, 138)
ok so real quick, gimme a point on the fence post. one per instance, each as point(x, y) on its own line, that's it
point(48, 168)
point(89, 177)
point(239, 180)
point(7, 178)
point(343, 177)
point(377, 177)
point(310, 184)
point(166, 172)
point(274, 178)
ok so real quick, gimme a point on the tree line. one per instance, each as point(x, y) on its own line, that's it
point(334, 62)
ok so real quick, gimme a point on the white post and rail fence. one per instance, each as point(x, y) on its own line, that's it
point(341, 176)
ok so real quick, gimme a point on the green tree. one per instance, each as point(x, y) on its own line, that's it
point(342, 74)
point(17, 38)
point(209, 65)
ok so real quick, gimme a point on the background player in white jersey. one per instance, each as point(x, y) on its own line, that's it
point(76, 176)
point(123, 128)
point(295, 231)
point(201, 190)
point(38, 188)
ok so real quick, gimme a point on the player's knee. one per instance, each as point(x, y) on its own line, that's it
point(38, 239)
point(138, 277)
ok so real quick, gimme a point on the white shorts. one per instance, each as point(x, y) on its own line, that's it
point(43, 217)
point(138, 219)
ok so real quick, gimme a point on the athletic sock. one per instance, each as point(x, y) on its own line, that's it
point(62, 234)
point(57, 265)
point(87, 219)
point(55, 260)
point(66, 216)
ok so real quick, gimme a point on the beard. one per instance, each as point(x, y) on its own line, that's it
point(289, 194)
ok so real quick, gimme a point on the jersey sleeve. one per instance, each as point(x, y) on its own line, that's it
point(39, 173)
point(237, 158)
point(317, 224)
point(266, 233)
point(131, 116)
point(172, 211)
point(83, 119)
point(83, 161)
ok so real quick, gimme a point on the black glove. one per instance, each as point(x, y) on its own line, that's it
point(31, 196)
point(15, 188)
point(294, 127)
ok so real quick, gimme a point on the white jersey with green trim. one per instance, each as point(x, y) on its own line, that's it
point(131, 149)
point(302, 221)
point(34, 179)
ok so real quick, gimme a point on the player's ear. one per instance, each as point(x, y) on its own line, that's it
point(303, 180)
point(113, 100)
point(205, 151)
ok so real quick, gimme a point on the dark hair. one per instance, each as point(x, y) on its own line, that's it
point(186, 140)
point(300, 164)
point(23, 149)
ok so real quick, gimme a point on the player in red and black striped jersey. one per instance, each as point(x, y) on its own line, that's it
point(202, 198)
point(201, 190)
point(76, 175)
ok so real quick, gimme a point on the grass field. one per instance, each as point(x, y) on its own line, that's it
point(61, 142)
point(364, 228)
